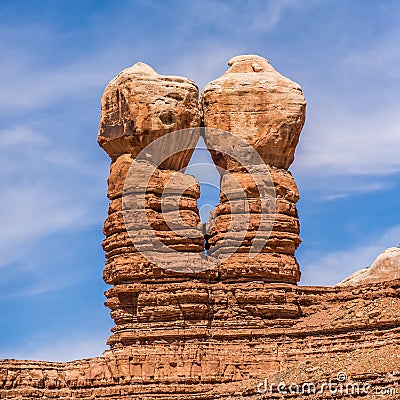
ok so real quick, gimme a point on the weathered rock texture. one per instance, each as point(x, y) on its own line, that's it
point(267, 110)
point(351, 330)
point(147, 298)
point(138, 106)
point(385, 268)
point(217, 333)
point(133, 300)
point(257, 103)
point(275, 261)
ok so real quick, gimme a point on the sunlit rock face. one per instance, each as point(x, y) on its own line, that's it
point(267, 111)
point(139, 105)
point(254, 101)
point(385, 268)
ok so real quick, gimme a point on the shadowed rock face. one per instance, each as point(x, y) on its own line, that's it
point(260, 105)
point(139, 105)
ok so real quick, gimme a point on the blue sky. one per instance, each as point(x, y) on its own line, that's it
point(57, 57)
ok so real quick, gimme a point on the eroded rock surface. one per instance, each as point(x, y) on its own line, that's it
point(353, 331)
point(223, 332)
point(257, 103)
point(267, 110)
point(139, 105)
point(385, 268)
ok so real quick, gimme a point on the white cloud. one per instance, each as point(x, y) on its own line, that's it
point(73, 347)
point(340, 142)
point(381, 57)
point(30, 81)
point(26, 90)
point(33, 211)
point(37, 280)
point(353, 130)
point(19, 136)
point(242, 17)
point(270, 13)
point(203, 65)
point(359, 189)
point(331, 268)
point(44, 189)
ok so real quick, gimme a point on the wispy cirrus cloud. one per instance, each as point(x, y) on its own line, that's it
point(268, 14)
point(75, 346)
point(338, 142)
point(214, 62)
point(327, 269)
point(351, 127)
point(25, 88)
point(33, 78)
point(382, 57)
point(357, 189)
point(39, 183)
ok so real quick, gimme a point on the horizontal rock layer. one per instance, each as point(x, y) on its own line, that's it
point(255, 236)
point(349, 330)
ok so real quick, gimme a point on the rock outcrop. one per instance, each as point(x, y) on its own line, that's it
point(153, 213)
point(266, 111)
point(257, 103)
point(139, 105)
point(385, 268)
point(241, 328)
point(247, 240)
point(346, 331)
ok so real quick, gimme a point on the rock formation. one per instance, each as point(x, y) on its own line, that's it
point(234, 329)
point(385, 268)
point(140, 95)
point(139, 106)
point(341, 330)
point(257, 104)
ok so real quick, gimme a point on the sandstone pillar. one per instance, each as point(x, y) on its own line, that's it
point(140, 106)
point(267, 110)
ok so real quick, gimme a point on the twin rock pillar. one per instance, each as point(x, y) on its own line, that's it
point(148, 302)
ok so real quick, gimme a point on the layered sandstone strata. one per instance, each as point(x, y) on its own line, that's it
point(353, 331)
point(153, 220)
point(259, 235)
point(266, 111)
point(253, 233)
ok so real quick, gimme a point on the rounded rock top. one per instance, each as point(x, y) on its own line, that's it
point(139, 106)
point(254, 101)
point(248, 63)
